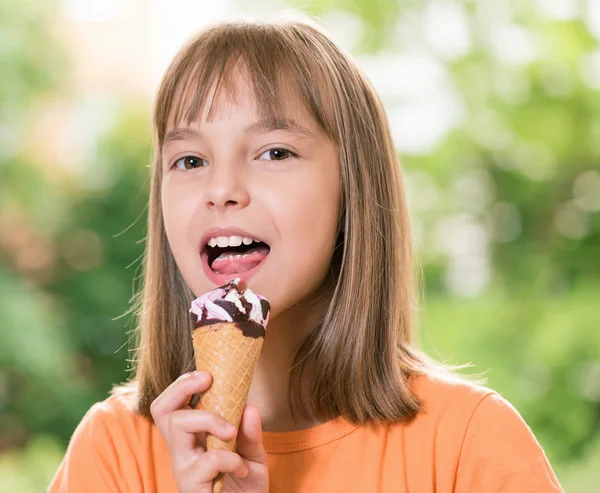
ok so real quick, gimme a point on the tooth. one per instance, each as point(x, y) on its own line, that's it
point(247, 240)
point(235, 241)
point(222, 241)
point(212, 242)
point(256, 241)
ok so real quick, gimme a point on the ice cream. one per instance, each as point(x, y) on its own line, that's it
point(228, 304)
point(229, 330)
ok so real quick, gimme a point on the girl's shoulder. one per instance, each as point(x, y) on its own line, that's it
point(451, 399)
point(115, 415)
point(480, 434)
point(109, 448)
point(443, 391)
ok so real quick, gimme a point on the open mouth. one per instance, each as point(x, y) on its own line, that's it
point(236, 256)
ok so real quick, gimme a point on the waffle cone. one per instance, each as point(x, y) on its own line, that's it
point(223, 350)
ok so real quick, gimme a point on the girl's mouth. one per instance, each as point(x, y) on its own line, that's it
point(234, 258)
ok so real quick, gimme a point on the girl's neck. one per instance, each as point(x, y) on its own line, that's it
point(269, 389)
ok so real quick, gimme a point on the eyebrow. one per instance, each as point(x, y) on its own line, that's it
point(260, 126)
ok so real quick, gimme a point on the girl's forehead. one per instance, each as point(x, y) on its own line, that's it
point(240, 103)
point(248, 128)
point(198, 98)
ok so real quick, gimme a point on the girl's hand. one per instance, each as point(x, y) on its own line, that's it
point(184, 430)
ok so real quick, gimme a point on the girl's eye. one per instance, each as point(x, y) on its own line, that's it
point(193, 162)
point(188, 162)
point(279, 154)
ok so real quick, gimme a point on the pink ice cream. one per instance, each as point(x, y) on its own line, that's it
point(228, 304)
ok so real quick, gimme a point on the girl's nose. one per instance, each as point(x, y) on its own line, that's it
point(227, 187)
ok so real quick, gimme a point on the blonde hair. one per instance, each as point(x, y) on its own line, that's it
point(357, 360)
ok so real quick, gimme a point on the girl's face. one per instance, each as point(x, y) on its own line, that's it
point(236, 178)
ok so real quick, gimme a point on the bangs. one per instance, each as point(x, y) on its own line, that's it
point(276, 67)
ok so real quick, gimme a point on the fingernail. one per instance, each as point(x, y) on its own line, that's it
point(228, 426)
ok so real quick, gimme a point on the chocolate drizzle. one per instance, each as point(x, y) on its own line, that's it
point(241, 317)
point(264, 304)
point(248, 327)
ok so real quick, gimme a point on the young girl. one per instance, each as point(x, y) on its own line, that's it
point(269, 132)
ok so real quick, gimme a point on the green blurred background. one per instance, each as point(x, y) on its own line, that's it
point(495, 109)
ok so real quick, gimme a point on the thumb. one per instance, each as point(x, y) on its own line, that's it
point(249, 439)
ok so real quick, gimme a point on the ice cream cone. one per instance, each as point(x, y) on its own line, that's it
point(229, 350)
point(230, 356)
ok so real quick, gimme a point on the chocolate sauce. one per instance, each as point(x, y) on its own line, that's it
point(264, 304)
point(248, 327)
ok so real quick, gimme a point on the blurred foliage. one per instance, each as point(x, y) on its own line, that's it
point(64, 277)
point(30, 62)
point(513, 188)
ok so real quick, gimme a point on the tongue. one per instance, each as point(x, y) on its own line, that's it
point(235, 262)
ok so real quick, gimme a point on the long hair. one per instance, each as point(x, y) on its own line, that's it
point(358, 359)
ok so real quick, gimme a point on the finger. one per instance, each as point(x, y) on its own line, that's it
point(184, 425)
point(213, 462)
point(177, 395)
point(249, 440)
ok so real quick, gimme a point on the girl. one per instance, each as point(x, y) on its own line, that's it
point(269, 132)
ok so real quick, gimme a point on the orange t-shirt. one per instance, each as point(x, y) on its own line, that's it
point(466, 439)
